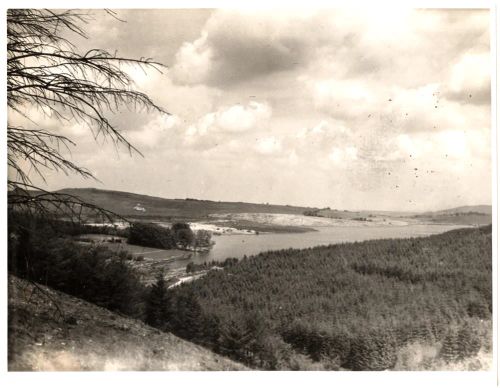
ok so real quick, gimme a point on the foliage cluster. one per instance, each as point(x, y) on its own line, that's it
point(151, 235)
point(38, 252)
point(179, 235)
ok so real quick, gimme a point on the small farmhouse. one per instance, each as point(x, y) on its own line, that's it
point(139, 208)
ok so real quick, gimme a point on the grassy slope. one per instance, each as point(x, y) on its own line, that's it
point(40, 339)
point(123, 203)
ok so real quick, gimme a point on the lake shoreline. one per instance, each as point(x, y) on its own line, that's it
point(150, 261)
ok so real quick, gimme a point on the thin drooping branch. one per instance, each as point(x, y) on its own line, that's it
point(39, 148)
point(45, 72)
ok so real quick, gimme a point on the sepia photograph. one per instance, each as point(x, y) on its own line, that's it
point(250, 189)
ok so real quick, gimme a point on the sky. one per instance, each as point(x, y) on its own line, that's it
point(383, 109)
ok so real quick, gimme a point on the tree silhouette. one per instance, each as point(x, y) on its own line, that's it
point(158, 309)
point(45, 71)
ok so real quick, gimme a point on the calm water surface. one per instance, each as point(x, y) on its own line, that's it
point(240, 245)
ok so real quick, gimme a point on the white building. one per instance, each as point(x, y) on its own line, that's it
point(139, 208)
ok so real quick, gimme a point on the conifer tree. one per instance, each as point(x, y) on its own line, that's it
point(158, 309)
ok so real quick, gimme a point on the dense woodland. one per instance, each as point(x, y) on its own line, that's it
point(349, 306)
point(43, 250)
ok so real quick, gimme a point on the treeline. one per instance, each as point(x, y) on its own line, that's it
point(347, 305)
point(179, 235)
point(43, 251)
point(145, 234)
point(62, 227)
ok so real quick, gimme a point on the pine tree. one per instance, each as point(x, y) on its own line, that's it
point(158, 309)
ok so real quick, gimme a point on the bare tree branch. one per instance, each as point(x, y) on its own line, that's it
point(45, 71)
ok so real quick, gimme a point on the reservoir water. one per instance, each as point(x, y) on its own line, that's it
point(240, 245)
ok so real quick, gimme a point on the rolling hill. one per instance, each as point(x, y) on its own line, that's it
point(139, 206)
point(123, 203)
point(483, 209)
point(466, 215)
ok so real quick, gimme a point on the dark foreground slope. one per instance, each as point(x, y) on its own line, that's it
point(354, 306)
point(88, 337)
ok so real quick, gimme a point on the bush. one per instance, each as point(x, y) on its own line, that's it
point(183, 235)
point(151, 235)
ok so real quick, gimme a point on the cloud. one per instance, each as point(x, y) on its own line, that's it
point(347, 101)
point(154, 132)
point(193, 61)
point(216, 127)
point(469, 80)
point(147, 33)
point(235, 46)
point(268, 146)
point(319, 138)
point(240, 118)
point(239, 45)
point(343, 99)
point(375, 108)
point(339, 155)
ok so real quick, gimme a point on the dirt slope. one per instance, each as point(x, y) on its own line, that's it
point(87, 337)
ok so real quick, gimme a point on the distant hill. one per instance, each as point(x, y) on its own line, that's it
point(482, 209)
point(123, 203)
point(466, 215)
point(139, 206)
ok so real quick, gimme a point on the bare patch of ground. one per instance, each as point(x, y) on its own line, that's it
point(425, 357)
point(299, 220)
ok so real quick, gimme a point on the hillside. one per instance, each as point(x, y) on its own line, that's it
point(484, 209)
point(464, 215)
point(145, 207)
point(123, 203)
point(353, 305)
point(92, 338)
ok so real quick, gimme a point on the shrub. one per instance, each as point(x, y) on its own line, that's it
point(151, 235)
